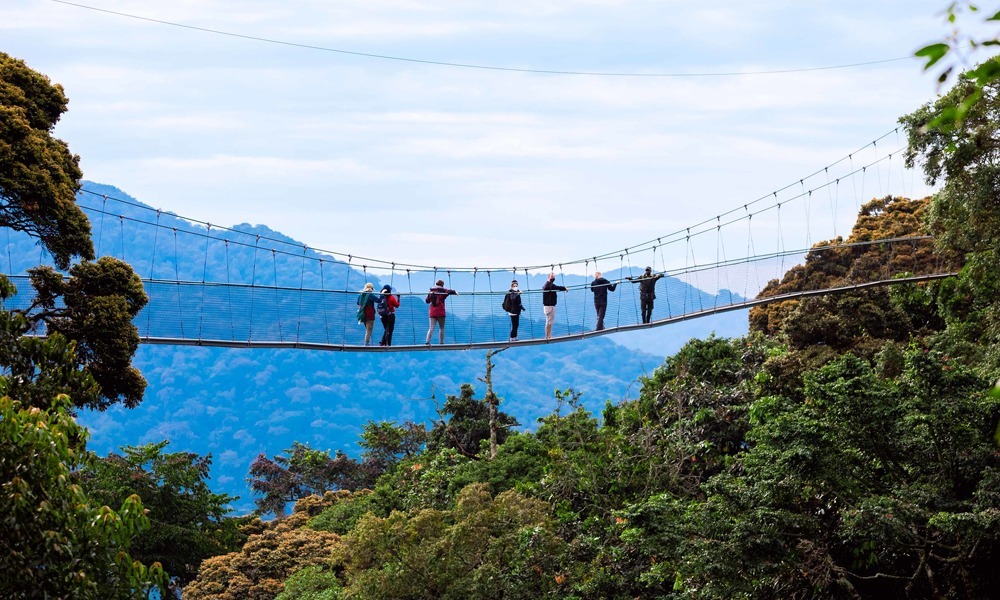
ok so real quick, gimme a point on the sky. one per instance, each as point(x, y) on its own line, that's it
point(440, 165)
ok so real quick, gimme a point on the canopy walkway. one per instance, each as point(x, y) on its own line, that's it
point(236, 287)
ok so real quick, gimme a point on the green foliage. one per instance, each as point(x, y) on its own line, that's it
point(188, 521)
point(851, 491)
point(956, 51)
point(39, 177)
point(311, 583)
point(386, 443)
point(100, 300)
point(484, 547)
point(344, 513)
point(467, 424)
point(56, 542)
point(39, 370)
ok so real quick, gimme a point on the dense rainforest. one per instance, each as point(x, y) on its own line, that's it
point(848, 447)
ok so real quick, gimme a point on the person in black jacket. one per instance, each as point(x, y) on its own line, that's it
point(647, 292)
point(512, 306)
point(601, 286)
point(549, 300)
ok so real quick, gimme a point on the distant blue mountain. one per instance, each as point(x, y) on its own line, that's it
point(236, 403)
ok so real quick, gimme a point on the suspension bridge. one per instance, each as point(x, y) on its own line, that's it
point(238, 287)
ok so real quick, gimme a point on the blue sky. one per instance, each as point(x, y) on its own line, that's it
point(442, 165)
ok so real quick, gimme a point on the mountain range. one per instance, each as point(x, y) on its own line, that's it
point(238, 402)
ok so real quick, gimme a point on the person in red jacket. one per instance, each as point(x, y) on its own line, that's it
point(387, 305)
point(436, 312)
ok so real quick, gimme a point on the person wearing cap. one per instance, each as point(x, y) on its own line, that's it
point(549, 300)
point(436, 297)
point(647, 292)
point(512, 306)
point(601, 286)
point(366, 310)
point(387, 305)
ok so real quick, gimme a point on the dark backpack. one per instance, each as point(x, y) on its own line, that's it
point(383, 307)
point(432, 299)
point(507, 304)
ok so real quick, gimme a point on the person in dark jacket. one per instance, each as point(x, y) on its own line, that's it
point(436, 297)
point(647, 292)
point(549, 300)
point(601, 286)
point(513, 307)
point(387, 305)
point(366, 304)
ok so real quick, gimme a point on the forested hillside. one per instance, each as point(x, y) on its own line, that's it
point(846, 448)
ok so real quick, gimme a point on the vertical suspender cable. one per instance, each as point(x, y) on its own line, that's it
point(807, 205)
point(302, 285)
point(750, 259)
point(177, 278)
point(781, 247)
point(413, 325)
point(493, 319)
point(621, 269)
point(277, 299)
point(121, 223)
point(454, 337)
point(635, 303)
point(152, 262)
point(253, 283)
point(527, 285)
point(562, 280)
point(718, 265)
point(322, 287)
point(100, 229)
point(472, 316)
point(346, 317)
point(833, 206)
point(204, 277)
point(583, 312)
point(229, 293)
point(666, 281)
point(878, 174)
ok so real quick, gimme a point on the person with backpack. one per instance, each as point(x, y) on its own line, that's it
point(366, 310)
point(386, 306)
point(549, 300)
point(438, 294)
point(512, 306)
point(601, 286)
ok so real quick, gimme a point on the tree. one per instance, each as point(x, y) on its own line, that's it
point(55, 541)
point(39, 177)
point(188, 521)
point(387, 443)
point(273, 552)
point(94, 308)
point(484, 547)
point(967, 160)
point(303, 471)
point(465, 422)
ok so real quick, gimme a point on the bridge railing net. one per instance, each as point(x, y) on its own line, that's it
point(268, 315)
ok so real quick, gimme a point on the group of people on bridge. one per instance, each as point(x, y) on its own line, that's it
point(385, 303)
